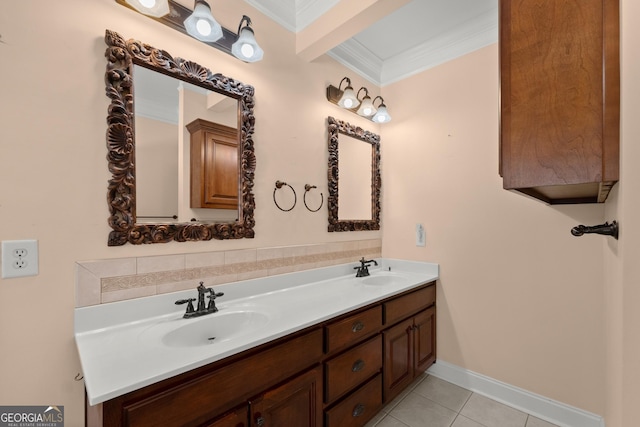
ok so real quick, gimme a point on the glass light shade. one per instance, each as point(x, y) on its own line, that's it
point(382, 116)
point(155, 8)
point(246, 48)
point(348, 99)
point(201, 24)
point(366, 108)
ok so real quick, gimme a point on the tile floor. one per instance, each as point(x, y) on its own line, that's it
point(432, 402)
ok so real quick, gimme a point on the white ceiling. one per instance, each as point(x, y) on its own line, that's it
point(417, 36)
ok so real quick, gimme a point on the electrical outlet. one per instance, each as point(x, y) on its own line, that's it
point(19, 258)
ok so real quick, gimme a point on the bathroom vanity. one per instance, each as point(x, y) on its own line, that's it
point(313, 348)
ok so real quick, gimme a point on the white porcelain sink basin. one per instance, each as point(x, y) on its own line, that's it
point(385, 278)
point(206, 330)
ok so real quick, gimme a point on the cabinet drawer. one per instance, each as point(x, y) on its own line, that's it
point(357, 408)
point(346, 371)
point(350, 330)
point(404, 306)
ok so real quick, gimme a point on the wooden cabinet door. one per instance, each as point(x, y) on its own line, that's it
point(295, 403)
point(424, 339)
point(560, 85)
point(237, 418)
point(398, 358)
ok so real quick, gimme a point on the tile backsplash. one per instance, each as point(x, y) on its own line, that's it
point(103, 281)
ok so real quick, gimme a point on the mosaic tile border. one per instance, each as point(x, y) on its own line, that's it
point(103, 281)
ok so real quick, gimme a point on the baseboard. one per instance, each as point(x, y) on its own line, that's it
point(539, 406)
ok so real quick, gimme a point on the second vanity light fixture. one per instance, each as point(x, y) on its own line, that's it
point(201, 25)
point(348, 99)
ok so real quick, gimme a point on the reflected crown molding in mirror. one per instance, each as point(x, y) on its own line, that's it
point(121, 195)
point(335, 128)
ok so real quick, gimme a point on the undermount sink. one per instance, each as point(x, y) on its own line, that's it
point(207, 330)
point(384, 278)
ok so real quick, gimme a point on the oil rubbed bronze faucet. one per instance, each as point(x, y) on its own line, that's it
point(202, 309)
point(363, 268)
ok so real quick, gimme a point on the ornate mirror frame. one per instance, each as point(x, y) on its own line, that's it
point(121, 194)
point(335, 128)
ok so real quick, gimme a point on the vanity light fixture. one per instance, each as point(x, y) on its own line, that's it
point(155, 8)
point(347, 99)
point(246, 47)
point(366, 106)
point(201, 25)
point(381, 116)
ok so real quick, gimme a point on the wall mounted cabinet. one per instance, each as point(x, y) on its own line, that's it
point(560, 98)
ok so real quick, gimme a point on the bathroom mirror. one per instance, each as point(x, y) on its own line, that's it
point(354, 195)
point(121, 56)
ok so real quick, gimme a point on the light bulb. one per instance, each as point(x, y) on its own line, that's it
point(348, 103)
point(203, 27)
point(247, 50)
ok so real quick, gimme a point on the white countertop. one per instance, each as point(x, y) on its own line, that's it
point(121, 348)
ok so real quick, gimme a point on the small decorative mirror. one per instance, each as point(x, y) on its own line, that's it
point(355, 152)
point(235, 220)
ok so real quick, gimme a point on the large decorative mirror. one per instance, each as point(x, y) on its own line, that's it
point(354, 194)
point(132, 64)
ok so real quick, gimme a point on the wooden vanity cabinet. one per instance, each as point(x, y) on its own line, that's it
point(332, 374)
point(295, 403)
point(199, 397)
point(352, 368)
point(410, 344)
point(237, 418)
point(560, 98)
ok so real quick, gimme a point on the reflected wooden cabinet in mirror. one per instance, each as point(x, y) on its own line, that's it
point(121, 56)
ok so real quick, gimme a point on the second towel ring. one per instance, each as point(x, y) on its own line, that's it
point(307, 188)
point(278, 186)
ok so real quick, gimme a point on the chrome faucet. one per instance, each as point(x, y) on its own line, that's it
point(363, 268)
point(201, 310)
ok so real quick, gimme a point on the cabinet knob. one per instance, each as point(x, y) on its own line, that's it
point(357, 326)
point(357, 365)
point(358, 410)
point(260, 421)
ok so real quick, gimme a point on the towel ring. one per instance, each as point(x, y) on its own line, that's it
point(307, 188)
point(278, 186)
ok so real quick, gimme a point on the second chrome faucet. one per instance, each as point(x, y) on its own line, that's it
point(201, 309)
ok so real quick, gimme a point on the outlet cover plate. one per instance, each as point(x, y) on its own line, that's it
point(19, 258)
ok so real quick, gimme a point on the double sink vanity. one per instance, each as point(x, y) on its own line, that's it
point(317, 347)
point(322, 347)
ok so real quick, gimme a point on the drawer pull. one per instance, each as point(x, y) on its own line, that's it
point(358, 410)
point(357, 327)
point(259, 421)
point(357, 365)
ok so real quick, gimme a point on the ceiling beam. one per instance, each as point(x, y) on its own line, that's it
point(340, 23)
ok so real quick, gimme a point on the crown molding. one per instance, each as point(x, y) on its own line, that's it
point(353, 55)
point(473, 35)
point(281, 11)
